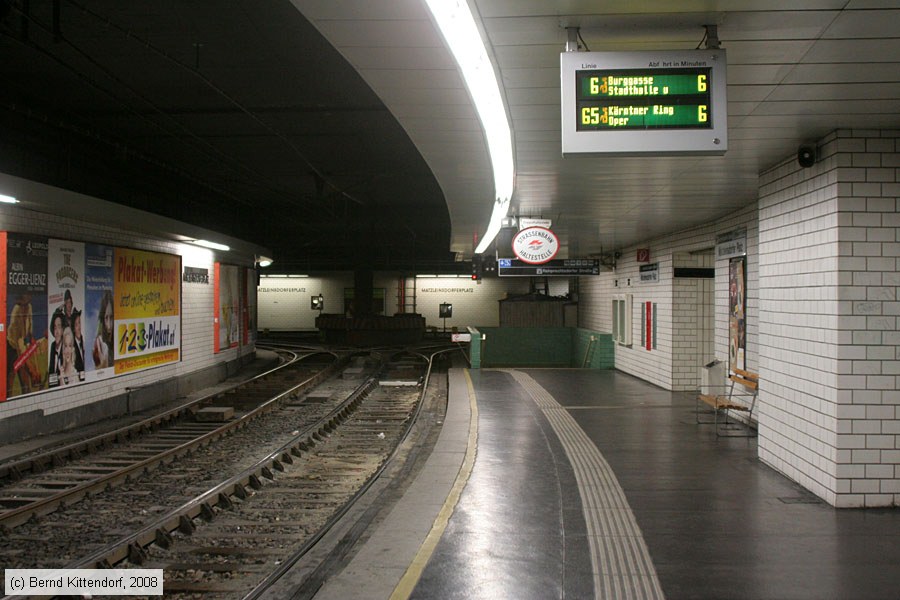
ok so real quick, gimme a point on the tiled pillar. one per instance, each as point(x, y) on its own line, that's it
point(828, 249)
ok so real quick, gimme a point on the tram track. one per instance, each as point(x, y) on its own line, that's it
point(290, 494)
point(41, 483)
point(286, 514)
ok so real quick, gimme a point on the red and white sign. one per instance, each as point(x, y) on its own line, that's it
point(643, 255)
point(649, 324)
point(535, 245)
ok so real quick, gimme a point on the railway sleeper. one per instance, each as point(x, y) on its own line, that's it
point(14, 474)
point(212, 568)
point(200, 587)
point(235, 551)
point(255, 483)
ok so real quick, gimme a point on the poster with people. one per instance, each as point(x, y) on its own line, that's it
point(98, 312)
point(227, 306)
point(27, 355)
point(78, 312)
point(737, 324)
point(147, 309)
point(65, 297)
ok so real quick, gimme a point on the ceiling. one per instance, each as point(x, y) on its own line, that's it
point(338, 132)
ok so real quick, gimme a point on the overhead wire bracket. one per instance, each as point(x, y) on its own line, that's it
point(572, 39)
point(712, 37)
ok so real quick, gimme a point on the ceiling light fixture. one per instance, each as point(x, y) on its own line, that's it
point(211, 245)
point(458, 27)
point(264, 261)
point(8, 199)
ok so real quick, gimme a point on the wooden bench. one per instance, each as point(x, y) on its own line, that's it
point(742, 399)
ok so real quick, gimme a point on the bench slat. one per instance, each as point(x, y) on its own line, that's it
point(746, 374)
point(722, 402)
point(747, 383)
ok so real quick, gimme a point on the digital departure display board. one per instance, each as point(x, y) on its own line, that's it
point(644, 102)
point(641, 99)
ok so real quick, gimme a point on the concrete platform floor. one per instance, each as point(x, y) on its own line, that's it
point(594, 484)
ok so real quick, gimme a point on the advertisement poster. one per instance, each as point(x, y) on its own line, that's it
point(27, 344)
point(65, 297)
point(147, 309)
point(248, 304)
point(227, 306)
point(737, 302)
point(98, 320)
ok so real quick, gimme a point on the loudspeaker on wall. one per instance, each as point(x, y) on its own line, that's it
point(806, 156)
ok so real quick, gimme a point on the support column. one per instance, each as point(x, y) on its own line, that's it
point(829, 246)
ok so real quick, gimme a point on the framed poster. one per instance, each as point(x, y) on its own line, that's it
point(147, 312)
point(27, 314)
point(227, 307)
point(737, 314)
point(99, 310)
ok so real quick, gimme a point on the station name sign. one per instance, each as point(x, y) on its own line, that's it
point(631, 103)
point(567, 267)
point(195, 275)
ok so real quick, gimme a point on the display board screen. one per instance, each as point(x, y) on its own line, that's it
point(643, 99)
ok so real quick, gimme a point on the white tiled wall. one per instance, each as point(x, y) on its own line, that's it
point(474, 303)
point(196, 319)
point(829, 245)
point(285, 302)
point(693, 322)
point(667, 365)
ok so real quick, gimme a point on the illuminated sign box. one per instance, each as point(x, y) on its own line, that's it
point(649, 102)
point(565, 267)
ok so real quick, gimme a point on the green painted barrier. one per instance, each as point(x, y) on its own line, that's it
point(556, 347)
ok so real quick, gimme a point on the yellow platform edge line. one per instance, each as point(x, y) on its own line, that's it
point(413, 573)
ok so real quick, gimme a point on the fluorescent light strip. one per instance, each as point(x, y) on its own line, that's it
point(8, 199)
point(212, 245)
point(458, 27)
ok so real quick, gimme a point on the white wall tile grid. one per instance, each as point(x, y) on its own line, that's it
point(664, 366)
point(829, 406)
